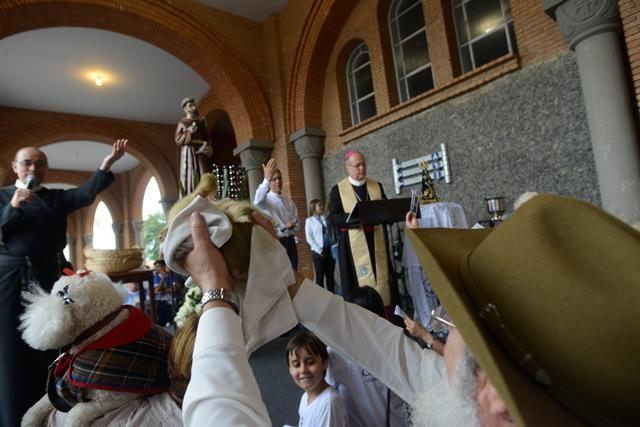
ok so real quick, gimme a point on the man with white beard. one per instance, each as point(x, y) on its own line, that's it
point(543, 302)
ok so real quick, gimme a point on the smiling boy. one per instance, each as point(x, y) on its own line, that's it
point(320, 405)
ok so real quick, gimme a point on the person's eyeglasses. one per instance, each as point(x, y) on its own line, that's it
point(440, 319)
point(28, 163)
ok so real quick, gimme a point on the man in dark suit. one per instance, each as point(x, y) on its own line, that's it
point(33, 224)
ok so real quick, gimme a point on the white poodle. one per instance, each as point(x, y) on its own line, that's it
point(110, 353)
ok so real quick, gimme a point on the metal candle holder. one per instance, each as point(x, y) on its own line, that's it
point(495, 207)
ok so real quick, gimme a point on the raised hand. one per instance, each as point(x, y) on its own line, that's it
point(117, 151)
point(269, 169)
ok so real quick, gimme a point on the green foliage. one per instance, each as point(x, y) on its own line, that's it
point(152, 227)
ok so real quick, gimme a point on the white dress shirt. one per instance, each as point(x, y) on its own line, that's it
point(369, 341)
point(222, 389)
point(280, 208)
point(313, 233)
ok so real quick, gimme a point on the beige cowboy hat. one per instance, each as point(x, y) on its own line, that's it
point(549, 303)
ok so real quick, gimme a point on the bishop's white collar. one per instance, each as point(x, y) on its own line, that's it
point(356, 183)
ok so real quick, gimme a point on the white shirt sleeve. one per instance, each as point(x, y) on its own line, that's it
point(295, 218)
point(261, 194)
point(370, 341)
point(222, 386)
point(310, 235)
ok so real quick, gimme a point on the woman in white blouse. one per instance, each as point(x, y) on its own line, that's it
point(317, 235)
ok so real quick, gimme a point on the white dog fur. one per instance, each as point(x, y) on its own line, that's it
point(48, 323)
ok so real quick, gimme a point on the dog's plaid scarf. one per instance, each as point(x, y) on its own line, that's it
point(130, 358)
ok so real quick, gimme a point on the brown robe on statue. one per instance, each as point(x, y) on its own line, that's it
point(192, 164)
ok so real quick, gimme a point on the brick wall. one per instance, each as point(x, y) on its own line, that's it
point(150, 143)
point(630, 15)
point(537, 35)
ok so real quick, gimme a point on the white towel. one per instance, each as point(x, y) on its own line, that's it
point(178, 241)
point(266, 308)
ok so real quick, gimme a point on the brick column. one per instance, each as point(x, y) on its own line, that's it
point(309, 144)
point(253, 154)
point(592, 28)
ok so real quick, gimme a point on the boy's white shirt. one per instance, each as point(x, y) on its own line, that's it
point(326, 410)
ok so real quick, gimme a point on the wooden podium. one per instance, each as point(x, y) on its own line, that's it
point(140, 276)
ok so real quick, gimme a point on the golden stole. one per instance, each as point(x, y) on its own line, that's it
point(358, 243)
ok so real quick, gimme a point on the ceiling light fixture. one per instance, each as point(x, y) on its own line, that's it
point(98, 81)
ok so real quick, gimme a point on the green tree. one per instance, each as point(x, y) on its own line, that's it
point(152, 227)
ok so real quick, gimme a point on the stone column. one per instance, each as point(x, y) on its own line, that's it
point(253, 154)
point(138, 233)
point(592, 28)
point(309, 144)
point(118, 228)
point(88, 239)
point(167, 202)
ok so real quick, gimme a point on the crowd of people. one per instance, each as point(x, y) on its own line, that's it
point(526, 307)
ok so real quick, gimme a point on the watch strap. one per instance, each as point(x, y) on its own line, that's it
point(221, 294)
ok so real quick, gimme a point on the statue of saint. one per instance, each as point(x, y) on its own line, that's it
point(195, 149)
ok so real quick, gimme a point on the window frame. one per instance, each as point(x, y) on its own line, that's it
point(399, 62)
point(354, 98)
point(504, 26)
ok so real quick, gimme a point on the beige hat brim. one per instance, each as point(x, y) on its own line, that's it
point(441, 253)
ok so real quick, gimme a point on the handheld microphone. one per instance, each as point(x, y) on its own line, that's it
point(32, 182)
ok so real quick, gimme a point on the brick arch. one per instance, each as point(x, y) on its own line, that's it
point(168, 26)
point(47, 132)
point(211, 108)
point(306, 85)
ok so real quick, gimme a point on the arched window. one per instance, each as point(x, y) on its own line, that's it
point(154, 220)
point(485, 31)
point(103, 235)
point(410, 48)
point(151, 199)
point(360, 82)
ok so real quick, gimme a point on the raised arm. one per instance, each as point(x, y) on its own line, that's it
point(368, 340)
point(117, 151)
point(219, 354)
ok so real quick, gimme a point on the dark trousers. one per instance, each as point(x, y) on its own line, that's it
point(323, 266)
point(23, 370)
point(289, 244)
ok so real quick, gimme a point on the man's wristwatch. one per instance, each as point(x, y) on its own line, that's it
point(221, 294)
